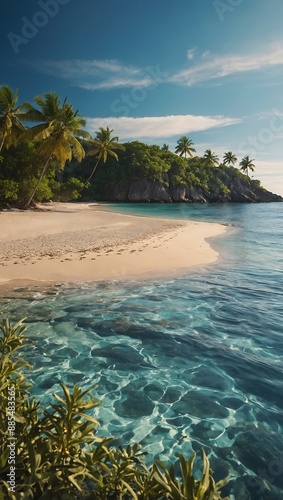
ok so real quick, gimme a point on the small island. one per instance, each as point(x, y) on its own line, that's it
point(56, 159)
point(144, 173)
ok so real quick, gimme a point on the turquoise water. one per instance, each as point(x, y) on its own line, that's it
point(181, 364)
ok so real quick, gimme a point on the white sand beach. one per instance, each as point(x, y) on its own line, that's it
point(70, 242)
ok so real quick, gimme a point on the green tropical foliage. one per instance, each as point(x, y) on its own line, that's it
point(53, 158)
point(184, 147)
point(57, 135)
point(104, 146)
point(229, 159)
point(136, 161)
point(65, 191)
point(11, 117)
point(140, 161)
point(210, 158)
point(247, 164)
point(19, 174)
point(60, 455)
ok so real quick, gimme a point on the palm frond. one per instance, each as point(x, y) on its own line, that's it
point(77, 149)
point(63, 151)
point(40, 132)
point(113, 154)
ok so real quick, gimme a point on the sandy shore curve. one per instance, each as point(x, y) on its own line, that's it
point(70, 242)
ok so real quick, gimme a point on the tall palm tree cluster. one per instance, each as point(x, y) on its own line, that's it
point(184, 148)
point(58, 131)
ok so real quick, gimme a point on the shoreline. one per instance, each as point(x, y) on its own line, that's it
point(65, 242)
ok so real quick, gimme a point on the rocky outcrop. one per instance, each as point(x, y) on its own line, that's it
point(179, 193)
point(264, 196)
point(118, 191)
point(143, 190)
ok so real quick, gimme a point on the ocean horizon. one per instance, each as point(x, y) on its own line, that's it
point(181, 363)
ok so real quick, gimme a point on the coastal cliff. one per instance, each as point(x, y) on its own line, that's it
point(144, 190)
point(146, 173)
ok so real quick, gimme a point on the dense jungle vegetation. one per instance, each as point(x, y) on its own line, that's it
point(46, 154)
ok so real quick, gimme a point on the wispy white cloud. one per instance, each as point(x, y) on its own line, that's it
point(191, 54)
point(206, 69)
point(96, 74)
point(158, 126)
point(206, 54)
point(118, 82)
point(72, 68)
point(212, 67)
point(271, 114)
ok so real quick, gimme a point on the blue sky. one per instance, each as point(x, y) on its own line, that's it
point(154, 70)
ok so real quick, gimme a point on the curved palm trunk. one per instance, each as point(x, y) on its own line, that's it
point(249, 179)
point(38, 182)
point(2, 143)
point(92, 173)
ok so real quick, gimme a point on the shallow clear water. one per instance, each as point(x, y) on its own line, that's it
point(182, 364)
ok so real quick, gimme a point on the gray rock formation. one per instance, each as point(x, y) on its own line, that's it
point(144, 190)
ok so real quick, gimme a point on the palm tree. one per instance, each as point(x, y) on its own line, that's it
point(165, 148)
point(57, 134)
point(104, 145)
point(211, 159)
point(229, 158)
point(246, 164)
point(11, 115)
point(184, 147)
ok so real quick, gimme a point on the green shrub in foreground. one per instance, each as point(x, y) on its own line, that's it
point(59, 456)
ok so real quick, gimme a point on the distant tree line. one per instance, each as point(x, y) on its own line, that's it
point(57, 159)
